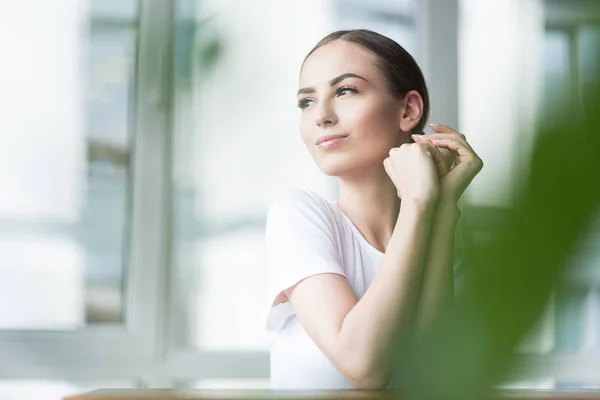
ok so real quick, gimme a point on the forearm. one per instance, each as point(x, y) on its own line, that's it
point(389, 304)
point(438, 280)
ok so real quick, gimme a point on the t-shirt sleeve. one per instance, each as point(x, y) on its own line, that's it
point(301, 242)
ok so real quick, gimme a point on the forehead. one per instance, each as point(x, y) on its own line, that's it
point(336, 58)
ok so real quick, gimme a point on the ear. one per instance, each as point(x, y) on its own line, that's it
point(412, 111)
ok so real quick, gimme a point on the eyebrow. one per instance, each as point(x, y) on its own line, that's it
point(332, 82)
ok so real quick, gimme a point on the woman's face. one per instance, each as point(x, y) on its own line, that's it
point(343, 95)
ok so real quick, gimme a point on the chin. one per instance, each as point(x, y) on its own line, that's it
point(331, 168)
point(337, 166)
point(332, 172)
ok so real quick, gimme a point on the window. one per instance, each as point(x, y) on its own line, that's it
point(73, 232)
point(147, 140)
point(63, 222)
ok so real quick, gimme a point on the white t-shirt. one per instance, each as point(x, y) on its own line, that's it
point(306, 235)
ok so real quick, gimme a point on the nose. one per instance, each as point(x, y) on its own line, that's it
point(326, 116)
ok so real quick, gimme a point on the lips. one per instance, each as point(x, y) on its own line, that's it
point(325, 138)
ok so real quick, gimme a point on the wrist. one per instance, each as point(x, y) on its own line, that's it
point(425, 200)
point(448, 208)
point(419, 206)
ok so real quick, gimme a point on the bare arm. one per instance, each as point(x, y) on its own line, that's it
point(438, 285)
point(357, 335)
point(438, 282)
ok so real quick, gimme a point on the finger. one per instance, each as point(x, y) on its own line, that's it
point(458, 136)
point(455, 145)
point(431, 136)
point(449, 156)
point(443, 129)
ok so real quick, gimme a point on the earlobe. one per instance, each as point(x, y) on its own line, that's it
point(408, 123)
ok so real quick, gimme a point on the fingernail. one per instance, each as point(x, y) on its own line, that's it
point(432, 125)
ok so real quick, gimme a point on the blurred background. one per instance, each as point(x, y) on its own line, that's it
point(142, 142)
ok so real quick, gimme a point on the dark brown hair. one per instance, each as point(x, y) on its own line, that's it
point(397, 65)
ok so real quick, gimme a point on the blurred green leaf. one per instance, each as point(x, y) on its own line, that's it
point(469, 348)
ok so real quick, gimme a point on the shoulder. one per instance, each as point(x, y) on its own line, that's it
point(300, 207)
point(299, 200)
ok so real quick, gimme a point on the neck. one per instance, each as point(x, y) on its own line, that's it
point(371, 202)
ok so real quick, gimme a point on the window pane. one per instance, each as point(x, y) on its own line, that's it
point(557, 70)
point(67, 83)
point(571, 318)
point(578, 317)
point(589, 60)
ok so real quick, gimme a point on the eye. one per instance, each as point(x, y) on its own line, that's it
point(345, 90)
point(303, 103)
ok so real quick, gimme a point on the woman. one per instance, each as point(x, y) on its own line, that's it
point(348, 277)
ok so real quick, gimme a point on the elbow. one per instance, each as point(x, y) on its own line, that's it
point(369, 376)
point(366, 364)
point(371, 383)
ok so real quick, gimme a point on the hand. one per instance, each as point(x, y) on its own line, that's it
point(412, 170)
point(454, 150)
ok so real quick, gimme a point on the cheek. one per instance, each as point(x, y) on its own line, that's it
point(375, 122)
